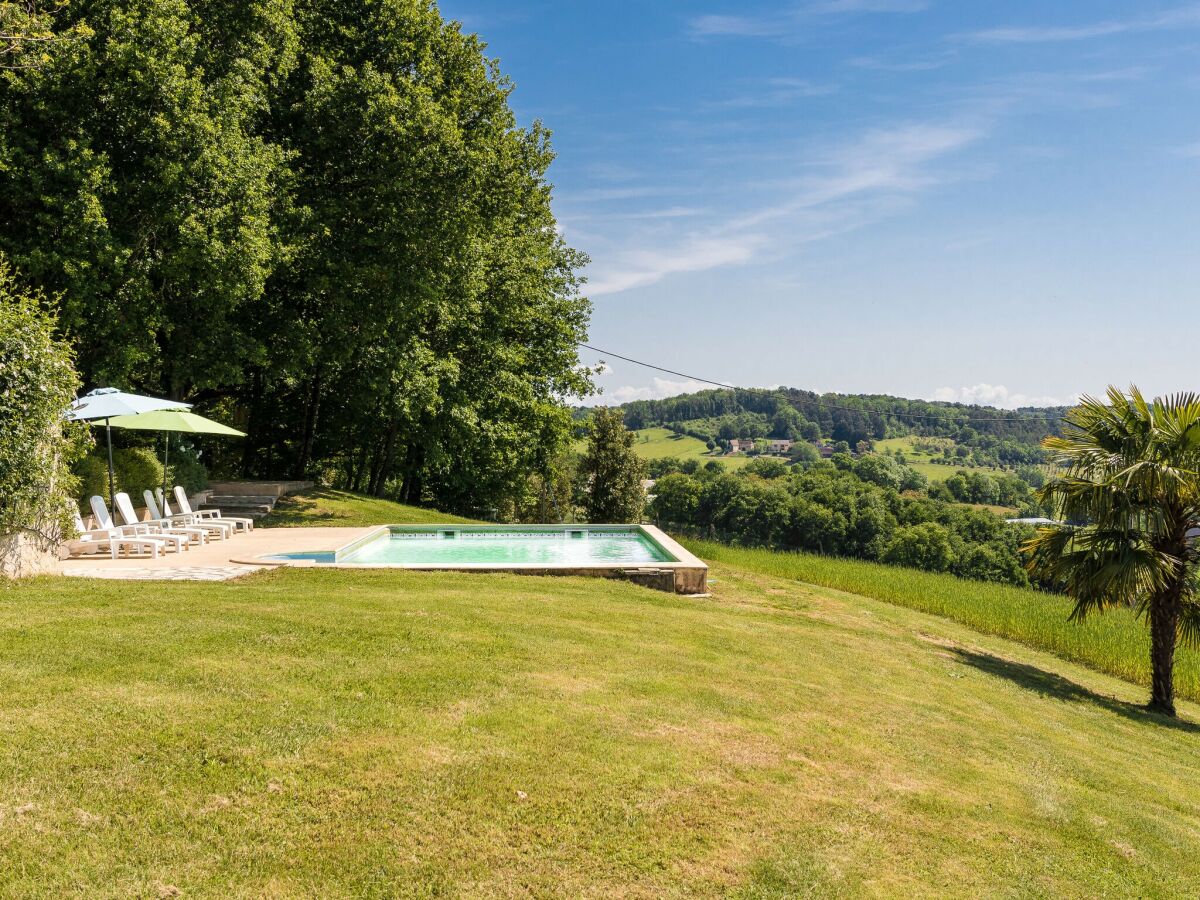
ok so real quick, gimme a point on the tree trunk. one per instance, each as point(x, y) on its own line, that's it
point(254, 426)
point(1164, 629)
point(311, 408)
point(359, 469)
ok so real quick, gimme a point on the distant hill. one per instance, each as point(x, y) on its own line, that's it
point(980, 435)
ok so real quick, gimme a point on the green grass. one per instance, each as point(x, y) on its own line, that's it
point(1116, 642)
point(923, 462)
point(659, 443)
point(335, 734)
point(324, 506)
point(662, 443)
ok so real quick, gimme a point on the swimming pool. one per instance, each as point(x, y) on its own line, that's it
point(638, 552)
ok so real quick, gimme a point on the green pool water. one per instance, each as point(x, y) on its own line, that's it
point(505, 547)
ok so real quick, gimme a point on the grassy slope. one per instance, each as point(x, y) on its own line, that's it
point(658, 443)
point(1115, 642)
point(338, 733)
point(922, 462)
point(323, 506)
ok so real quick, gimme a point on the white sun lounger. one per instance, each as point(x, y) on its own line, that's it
point(214, 530)
point(227, 528)
point(93, 539)
point(144, 529)
point(213, 515)
point(129, 516)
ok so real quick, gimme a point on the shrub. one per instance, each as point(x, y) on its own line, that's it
point(92, 472)
point(136, 469)
point(37, 446)
point(926, 546)
point(184, 467)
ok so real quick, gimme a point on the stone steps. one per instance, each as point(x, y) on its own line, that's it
point(241, 505)
point(247, 499)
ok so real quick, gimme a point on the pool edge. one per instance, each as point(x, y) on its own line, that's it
point(689, 574)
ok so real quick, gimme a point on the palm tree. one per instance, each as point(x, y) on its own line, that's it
point(1130, 484)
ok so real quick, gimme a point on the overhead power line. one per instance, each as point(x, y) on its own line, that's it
point(1016, 417)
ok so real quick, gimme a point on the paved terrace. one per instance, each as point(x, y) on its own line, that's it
point(216, 560)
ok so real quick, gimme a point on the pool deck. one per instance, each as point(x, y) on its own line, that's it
point(216, 560)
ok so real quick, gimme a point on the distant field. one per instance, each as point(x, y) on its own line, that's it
point(923, 462)
point(660, 443)
point(657, 443)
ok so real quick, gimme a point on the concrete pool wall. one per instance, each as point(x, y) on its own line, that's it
point(682, 572)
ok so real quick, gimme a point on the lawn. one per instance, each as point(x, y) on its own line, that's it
point(335, 733)
point(325, 506)
point(1116, 642)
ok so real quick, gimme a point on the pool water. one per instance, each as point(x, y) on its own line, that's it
point(556, 548)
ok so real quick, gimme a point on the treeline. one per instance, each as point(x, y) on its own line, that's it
point(852, 418)
point(868, 508)
point(317, 220)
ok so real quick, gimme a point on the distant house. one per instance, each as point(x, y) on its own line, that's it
point(779, 446)
point(826, 450)
point(738, 445)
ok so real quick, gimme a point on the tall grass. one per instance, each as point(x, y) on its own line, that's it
point(1115, 642)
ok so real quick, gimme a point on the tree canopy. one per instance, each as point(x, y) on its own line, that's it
point(613, 471)
point(319, 219)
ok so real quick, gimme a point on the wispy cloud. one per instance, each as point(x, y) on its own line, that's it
point(997, 395)
point(734, 26)
point(837, 7)
point(774, 92)
point(789, 18)
point(693, 253)
point(658, 389)
point(921, 64)
point(1188, 151)
point(891, 160)
point(848, 187)
point(1180, 17)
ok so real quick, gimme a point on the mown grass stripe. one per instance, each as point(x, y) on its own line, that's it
point(1115, 642)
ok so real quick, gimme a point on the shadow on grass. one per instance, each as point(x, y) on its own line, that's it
point(1051, 684)
point(299, 510)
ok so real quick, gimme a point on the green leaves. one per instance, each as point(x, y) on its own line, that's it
point(1131, 484)
point(613, 470)
point(37, 384)
point(322, 212)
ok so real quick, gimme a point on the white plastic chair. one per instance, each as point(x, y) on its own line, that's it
point(129, 516)
point(145, 529)
point(213, 515)
point(89, 539)
point(214, 530)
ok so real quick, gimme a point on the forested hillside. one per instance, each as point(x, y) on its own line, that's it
point(993, 436)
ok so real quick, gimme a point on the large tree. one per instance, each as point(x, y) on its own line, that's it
point(613, 470)
point(321, 215)
point(134, 180)
point(1130, 490)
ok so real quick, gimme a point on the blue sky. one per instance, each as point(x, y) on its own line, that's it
point(978, 201)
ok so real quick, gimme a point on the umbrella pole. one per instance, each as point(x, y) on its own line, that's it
point(111, 493)
point(166, 456)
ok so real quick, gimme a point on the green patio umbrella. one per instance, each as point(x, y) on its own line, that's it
point(168, 420)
